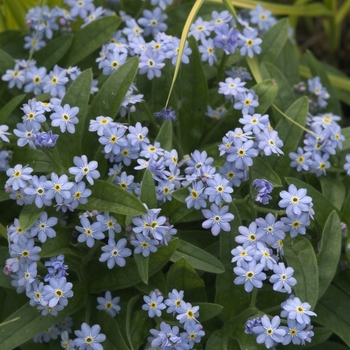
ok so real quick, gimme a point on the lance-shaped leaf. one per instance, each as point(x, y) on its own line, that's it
point(114, 337)
point(61, 244)
point(274, 40)
point(108, 197)
point(28, 322)
point(6, 61)
point(50, 54)
point(334, 191)
point(142, 266)
point(197, 258)
point(35, 158)
point(9, 107)
point(267, 91)
point(90, 38)
point(300, 255)
point(328, 257)
point(262, 170)
point(148, 190)
point(333, 312)
point(28, 216)
point(165, 135)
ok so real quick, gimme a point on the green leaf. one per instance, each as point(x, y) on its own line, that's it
point(182, 276)
point(285, 95)
point(267, 91)
point(109, 327)
point(61, 244)
point(6, 62)
point(287, 62)
point(77, 95)
point(333, 311)
point(129, 324)
point(142, 266)
point(165, 135)
point(198, 258)
point(181, 194)
point(148, 190)
point(9, 107)
point(300, 255)
point(103, 279)
point(28, 322)
point(36, 159)
point(90, 38)
point(346, 133)
point(334, 191)
point(231, 297)
point(322, 206)
point(329, 255)
point(208, 311)
point(262, 170)
point(108, 197)
point(108, 100)
point(192, 87)
point(28, 216)
point(290, 134)
point(273, 40)
point(50, 54)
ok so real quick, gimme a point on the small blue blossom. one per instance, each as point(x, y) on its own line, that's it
point(114, 253)
point(58, 188)
point(262, 18)
point(269, 332)
point(295, 333)
point(35, 80)
point(264, 188)
point(89, 337)
point(246, 101)
point(249, 42)
point(65, 117)
point(207, 49)
point(151, 62)
point(269, 142)
point(153, 22)
point(242, 153)
point(43, 227)
point(57, 292)
point(55, 81)
point(226, 38)
point(144, 245)
point(347, 164)
point(18, 176)
point(45, 139)
point(89, 232)
point(282, 278)
point(295, 201)
point(218, 190)
point(166, 114)
point(200, 29)
point(294, 309)
point(197, 196)
point(174, 301)
point(296, 223)
point(154, 304)
point(300, 160)
point(247, 235)
point(66, 343)
point(108, 304)
point(217, 219)
point(56, 268)
point(232, 87)
point(250, 274)
point(269, 230)
point(241, 254)
point(84, 168)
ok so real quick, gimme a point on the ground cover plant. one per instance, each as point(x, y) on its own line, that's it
point(174, 175)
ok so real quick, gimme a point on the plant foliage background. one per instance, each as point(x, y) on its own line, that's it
point(181, 200)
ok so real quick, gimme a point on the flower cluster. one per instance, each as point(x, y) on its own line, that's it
point(186, 314)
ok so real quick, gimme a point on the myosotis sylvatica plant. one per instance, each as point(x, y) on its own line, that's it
point(169, 182)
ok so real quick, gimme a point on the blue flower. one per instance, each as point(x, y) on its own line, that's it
point(231, 87)
point(347, 164)
point(250, 274)
point(246, 101)
point(226, 38)
point(144, 245)
point(66, 343)
point(247, 235)
point(172, 48)
point(269, 142)
point(45, 139)
point(200, 29)
point(65, 117)
point(197, 196)
point(35, 80)
point(262, 18)
point(296, 223)
point(113, 139)
point(153, 22)
point(15, 77)
point(241, 153)
point(241, 254)
point(56, 268)
point(58, 291)
point(89, 232)
point(25, 251)
point(282, 278)
point(195, 333)
point(26, 134)
point(18, 176)
point(161, 3)
point(295, 201)
point(89, 337)
point(84, 168)
point(269, 230)
point(295, 333)
point(218, 190)
point(300, 160)
point(151, 62)
point(166, 337)
point(108, 304)
point(166, 114)
point(264, 188)
point(294, 309)
point(217, 219)
point(55, 81)
point(58, 188)
point(269, 332)
point(187, 314)
point(43, 227)
point(114, 253)
point(109, 223)
point(250, 324)
point(174, 301)
point(249, 42)
point(154, 304)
